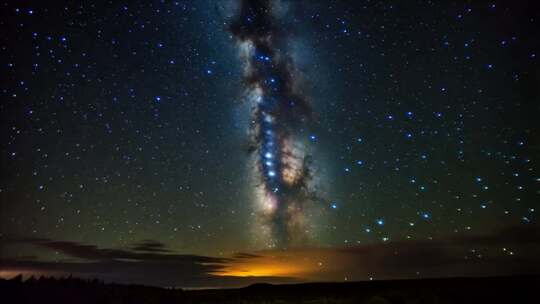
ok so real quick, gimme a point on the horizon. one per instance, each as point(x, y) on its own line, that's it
point(32, 279)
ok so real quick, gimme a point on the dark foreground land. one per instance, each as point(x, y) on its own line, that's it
point(515, 289)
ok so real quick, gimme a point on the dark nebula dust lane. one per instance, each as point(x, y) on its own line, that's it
point(279, 111)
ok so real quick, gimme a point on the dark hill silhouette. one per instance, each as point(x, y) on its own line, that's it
point(512, 289)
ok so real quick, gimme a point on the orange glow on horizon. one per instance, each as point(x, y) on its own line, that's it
point(26, 273)
point(269, 266)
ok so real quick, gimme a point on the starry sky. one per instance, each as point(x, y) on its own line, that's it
point(126, 144)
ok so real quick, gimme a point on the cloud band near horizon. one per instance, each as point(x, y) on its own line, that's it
point(506, 252)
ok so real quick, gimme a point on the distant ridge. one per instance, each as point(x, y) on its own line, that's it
point(508, 289)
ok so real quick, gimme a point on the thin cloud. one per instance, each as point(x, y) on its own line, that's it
point(510, 251)
point(151, 246)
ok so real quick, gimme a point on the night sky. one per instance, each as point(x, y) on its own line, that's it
point(141, 141)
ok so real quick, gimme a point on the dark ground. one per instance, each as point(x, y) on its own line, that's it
point(515, 289)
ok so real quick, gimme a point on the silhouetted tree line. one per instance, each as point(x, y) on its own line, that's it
point(76, 290)
point(70, 280)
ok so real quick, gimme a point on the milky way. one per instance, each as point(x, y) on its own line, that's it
point(279, 112)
